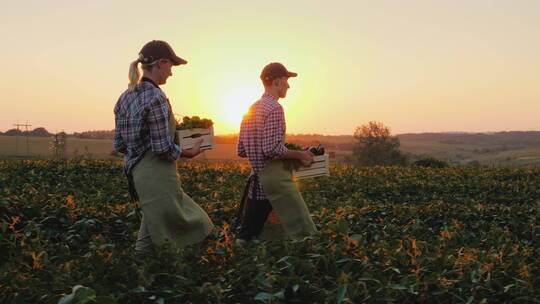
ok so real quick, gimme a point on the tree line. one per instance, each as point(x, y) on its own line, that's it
point(42, 132)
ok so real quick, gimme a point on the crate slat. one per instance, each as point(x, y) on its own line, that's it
point(187, 141)
point(319, 167)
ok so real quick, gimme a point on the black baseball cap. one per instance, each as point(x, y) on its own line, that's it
point(275, 70)
point(159, 49)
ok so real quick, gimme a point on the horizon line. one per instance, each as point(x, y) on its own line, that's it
point(314, 134)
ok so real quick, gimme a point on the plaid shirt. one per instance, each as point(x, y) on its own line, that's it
point(142, 121)
point(261, 135)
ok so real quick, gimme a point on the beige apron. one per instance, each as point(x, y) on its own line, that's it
point(290, 216)
point(169, 214)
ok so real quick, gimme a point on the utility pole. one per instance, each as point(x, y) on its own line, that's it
point(59, 145)
point(17, 137)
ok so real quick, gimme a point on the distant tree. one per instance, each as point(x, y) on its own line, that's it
point(41, 132)
point(13, 132)
point(376, 146)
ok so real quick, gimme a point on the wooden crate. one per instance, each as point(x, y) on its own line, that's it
point(320, 167)
point(189, 137)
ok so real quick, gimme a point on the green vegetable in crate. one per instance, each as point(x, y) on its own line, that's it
point(193, 123)
point(292, 146)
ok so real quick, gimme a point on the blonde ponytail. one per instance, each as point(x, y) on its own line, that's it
point(134, 74)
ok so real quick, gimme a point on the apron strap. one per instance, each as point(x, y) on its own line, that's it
point(134, 197)
point(253, 179)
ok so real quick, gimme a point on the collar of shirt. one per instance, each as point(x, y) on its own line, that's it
point(155, 85)
point(269, 97)
point(149, 80)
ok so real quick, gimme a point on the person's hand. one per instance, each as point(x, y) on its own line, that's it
point(196, 150)
point(306, 158)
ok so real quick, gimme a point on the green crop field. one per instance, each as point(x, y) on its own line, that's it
point(386, 235)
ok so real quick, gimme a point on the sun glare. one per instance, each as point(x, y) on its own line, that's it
point(237, 102)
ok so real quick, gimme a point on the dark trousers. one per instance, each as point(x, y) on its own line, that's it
point(255, 214)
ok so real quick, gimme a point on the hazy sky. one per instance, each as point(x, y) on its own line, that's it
point(416, 66)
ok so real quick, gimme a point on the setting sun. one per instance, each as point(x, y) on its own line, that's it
point(237, 101)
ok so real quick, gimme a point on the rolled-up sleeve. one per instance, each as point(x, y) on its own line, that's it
point(158, 122)
point(272, 135)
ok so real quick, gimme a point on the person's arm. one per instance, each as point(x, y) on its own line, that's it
point(119, 143)
point(272, 140)
point(189, 153)
point(272, 135)
point(158, 123)
point(240, 149)
point(305, 157)
point(196, 150)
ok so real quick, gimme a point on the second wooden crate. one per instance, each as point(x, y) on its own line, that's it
point(319, 167)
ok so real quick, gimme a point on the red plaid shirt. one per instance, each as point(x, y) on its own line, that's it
point(261, 134)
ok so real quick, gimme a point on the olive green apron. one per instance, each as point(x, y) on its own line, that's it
point(170, 215)
point(290, 216)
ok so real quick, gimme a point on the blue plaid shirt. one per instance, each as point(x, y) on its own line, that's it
point(142, 121)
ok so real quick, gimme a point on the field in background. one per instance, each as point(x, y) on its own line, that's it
point(39, 147)
point(505, 149)
point(493, 150)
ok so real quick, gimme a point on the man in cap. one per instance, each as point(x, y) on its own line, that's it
point(270, 187)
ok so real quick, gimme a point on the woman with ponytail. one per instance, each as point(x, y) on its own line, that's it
point(145, 133)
